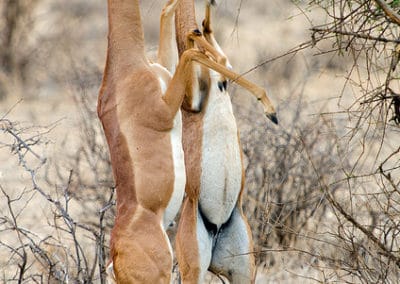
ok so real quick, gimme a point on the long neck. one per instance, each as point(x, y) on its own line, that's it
point(185, 21)
point(125, 35)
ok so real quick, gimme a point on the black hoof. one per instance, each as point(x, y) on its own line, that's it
point(273, 117)
point(225, 84)
point(222, 86)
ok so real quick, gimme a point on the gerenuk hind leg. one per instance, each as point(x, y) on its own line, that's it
point(233, 251)
point(193, 244)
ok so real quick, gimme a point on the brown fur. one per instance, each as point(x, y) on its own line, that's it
point(186, 241)
point(188, 254)
point(138, 123)
point(187, 249)
point(137, 120)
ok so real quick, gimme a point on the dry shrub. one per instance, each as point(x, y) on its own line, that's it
point(283, 191)
point(307, 206)
point(71, 195)
point(58, 245)
point(324, 193)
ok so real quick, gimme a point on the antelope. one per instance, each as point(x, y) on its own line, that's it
point(213, 233)
point(138, 106)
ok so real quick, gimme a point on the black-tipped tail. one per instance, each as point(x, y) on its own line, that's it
point(273, 117)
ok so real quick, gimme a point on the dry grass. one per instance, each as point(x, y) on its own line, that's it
point(322, 189)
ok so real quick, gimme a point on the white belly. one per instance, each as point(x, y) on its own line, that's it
point(179, 170)
point(175, 201)
point(221, 176)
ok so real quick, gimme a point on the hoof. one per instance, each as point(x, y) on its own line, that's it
point(272, 117)
point(222, 86)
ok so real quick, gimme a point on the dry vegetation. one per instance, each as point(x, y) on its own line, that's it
point(322, 189)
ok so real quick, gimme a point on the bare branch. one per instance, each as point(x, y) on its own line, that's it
point(389, 11)
point(355, 35)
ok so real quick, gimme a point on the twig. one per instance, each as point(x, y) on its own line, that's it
point(388, 11)
point(26, 146)
point(354, 34)
point(292, 51)
point(384, 250)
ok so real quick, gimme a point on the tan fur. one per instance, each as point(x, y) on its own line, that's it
point(188, 251)
point(167, 54)
point(186, 247)
point(137, 123)
point(137, 119)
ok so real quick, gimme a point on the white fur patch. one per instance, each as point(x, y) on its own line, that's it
point(204, 242)
point(221, 161)
point(168, 242)
point(233, 250)
point(197, 96)
point(164, 76)
point(175, 202)
point(110, 274)
point(179, 170)
point(215, 44)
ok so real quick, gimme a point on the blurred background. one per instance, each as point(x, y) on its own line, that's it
point(322, 188)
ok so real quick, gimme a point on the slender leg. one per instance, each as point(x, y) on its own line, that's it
point(211, 45)
point(141, 254)
point(209, 36)
point(167, 54)
point(193, 244)
point(208, 32)
point(207, 19)
point(176, 89)
point(207, 48)
point(232, 255)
